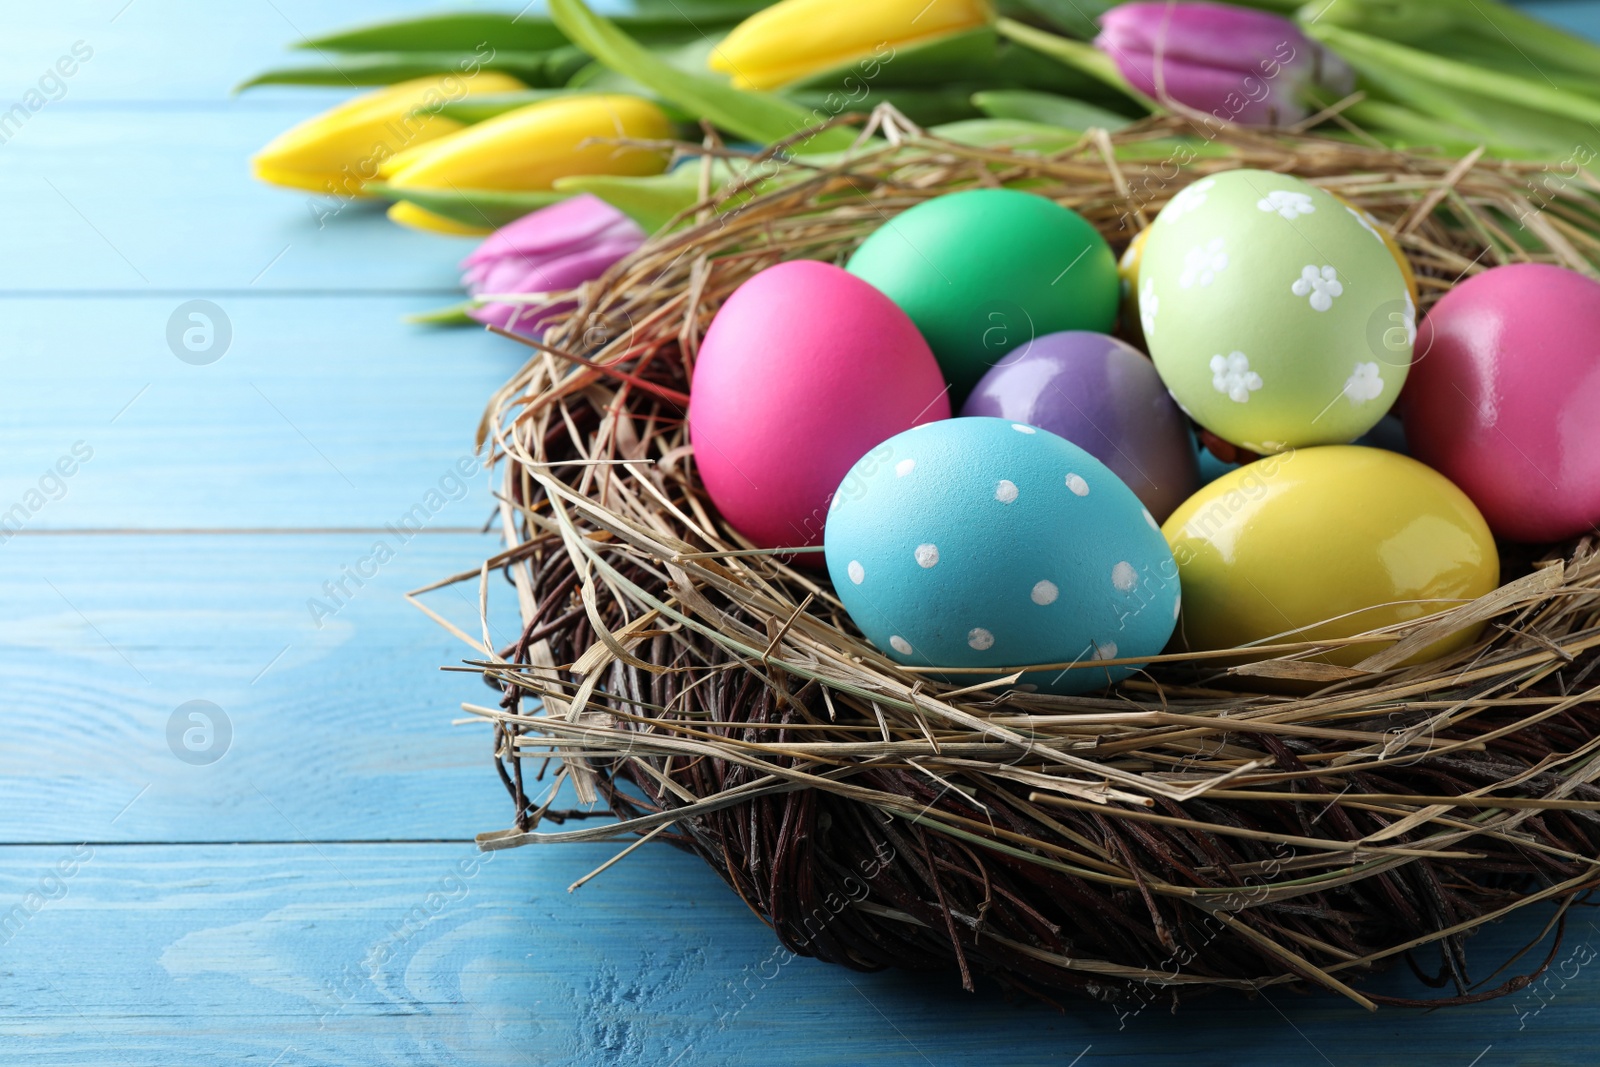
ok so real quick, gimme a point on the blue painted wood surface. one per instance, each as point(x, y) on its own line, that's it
point(312, 896)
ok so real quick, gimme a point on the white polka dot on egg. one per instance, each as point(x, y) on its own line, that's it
point(1045, 593)
point(927, 556)
point(1106, 651)
point(858, 573)
point(1017, 426)
point(904, 467)
point(1005, 491)
point(980, 639)
point(1124, 577)
point(900, 645)
point(1078, 486)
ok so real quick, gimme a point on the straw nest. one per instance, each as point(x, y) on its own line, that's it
point(1201, 826)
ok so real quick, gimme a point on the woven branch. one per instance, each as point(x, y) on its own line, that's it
point(1207, 824)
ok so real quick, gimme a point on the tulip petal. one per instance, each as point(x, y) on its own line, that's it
point(1250, 67)
point(570, 223)
point(1217, 35)
point(1234, 96)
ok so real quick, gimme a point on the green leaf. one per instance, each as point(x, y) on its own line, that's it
point(924, 106)
point(1507, 39)
point(535, 69)
point(454, 315)
point(650, 201)
point(472, 207)
point(471, 109)
point(679, 20)
point(1015, 134)
point(1511, 115)
point(435, 33)
point(1047, 108)
point(1369, 53)
point(1077, 55)
point(757, 116)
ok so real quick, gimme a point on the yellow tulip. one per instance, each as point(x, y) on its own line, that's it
point(797, 38)
point(338, 150)
point(418, 218)
point(533, 146)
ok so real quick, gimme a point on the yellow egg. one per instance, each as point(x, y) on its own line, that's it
point(1323, 543)
point(1128, 275)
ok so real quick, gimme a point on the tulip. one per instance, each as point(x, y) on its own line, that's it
point(529, 149)
point(797, 38)
point(554, 249)
point(337, 151)
point(1250, 67)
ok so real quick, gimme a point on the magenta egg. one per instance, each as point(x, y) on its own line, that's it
point(1105, 397)
point(802, 372)
point(1503, 395)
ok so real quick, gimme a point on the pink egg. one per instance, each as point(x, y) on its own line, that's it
point(1503, 395)
point(804, 371)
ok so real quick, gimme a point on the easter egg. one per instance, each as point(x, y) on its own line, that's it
point(1327, 542)
point(1407, 273)
point(984, 271)
point(802, 371)
point(1105, 397)
point(1128, 281)
point(1275, 314)
point(1505, 398)
point(986, 543)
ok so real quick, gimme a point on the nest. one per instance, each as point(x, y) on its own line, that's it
point(1204, 825)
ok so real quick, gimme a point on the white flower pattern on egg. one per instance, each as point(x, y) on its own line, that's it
point(1365, 383)
point(1322, 286)
point(1203, 263)
point(1149, 304)
point(1287, 203)
point(1188, 199)
point(1231, 375)
point(1366, 221)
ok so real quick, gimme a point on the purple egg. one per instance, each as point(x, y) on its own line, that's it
point(1105, 397)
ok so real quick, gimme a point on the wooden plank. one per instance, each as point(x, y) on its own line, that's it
point(158, 51)
point(432, 953)
point(202, 226)
point(325, 412)
point(1575, 16)
point(334, 723)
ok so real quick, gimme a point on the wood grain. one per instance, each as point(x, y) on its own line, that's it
point(323, 412)
point(433, 953)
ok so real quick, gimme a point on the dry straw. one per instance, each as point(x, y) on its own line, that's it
point(1204, 825)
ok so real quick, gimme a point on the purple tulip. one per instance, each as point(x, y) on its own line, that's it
point(556, 248)
point(1250, 67)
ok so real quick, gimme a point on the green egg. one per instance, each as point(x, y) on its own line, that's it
point(985, 271)
point(1276, 315)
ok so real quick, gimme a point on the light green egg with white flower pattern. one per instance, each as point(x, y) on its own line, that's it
point(1275, 314)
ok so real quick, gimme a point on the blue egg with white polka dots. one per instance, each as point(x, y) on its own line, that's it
point(986, 543)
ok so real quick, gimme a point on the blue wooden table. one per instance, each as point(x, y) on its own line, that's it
point(234, 829)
